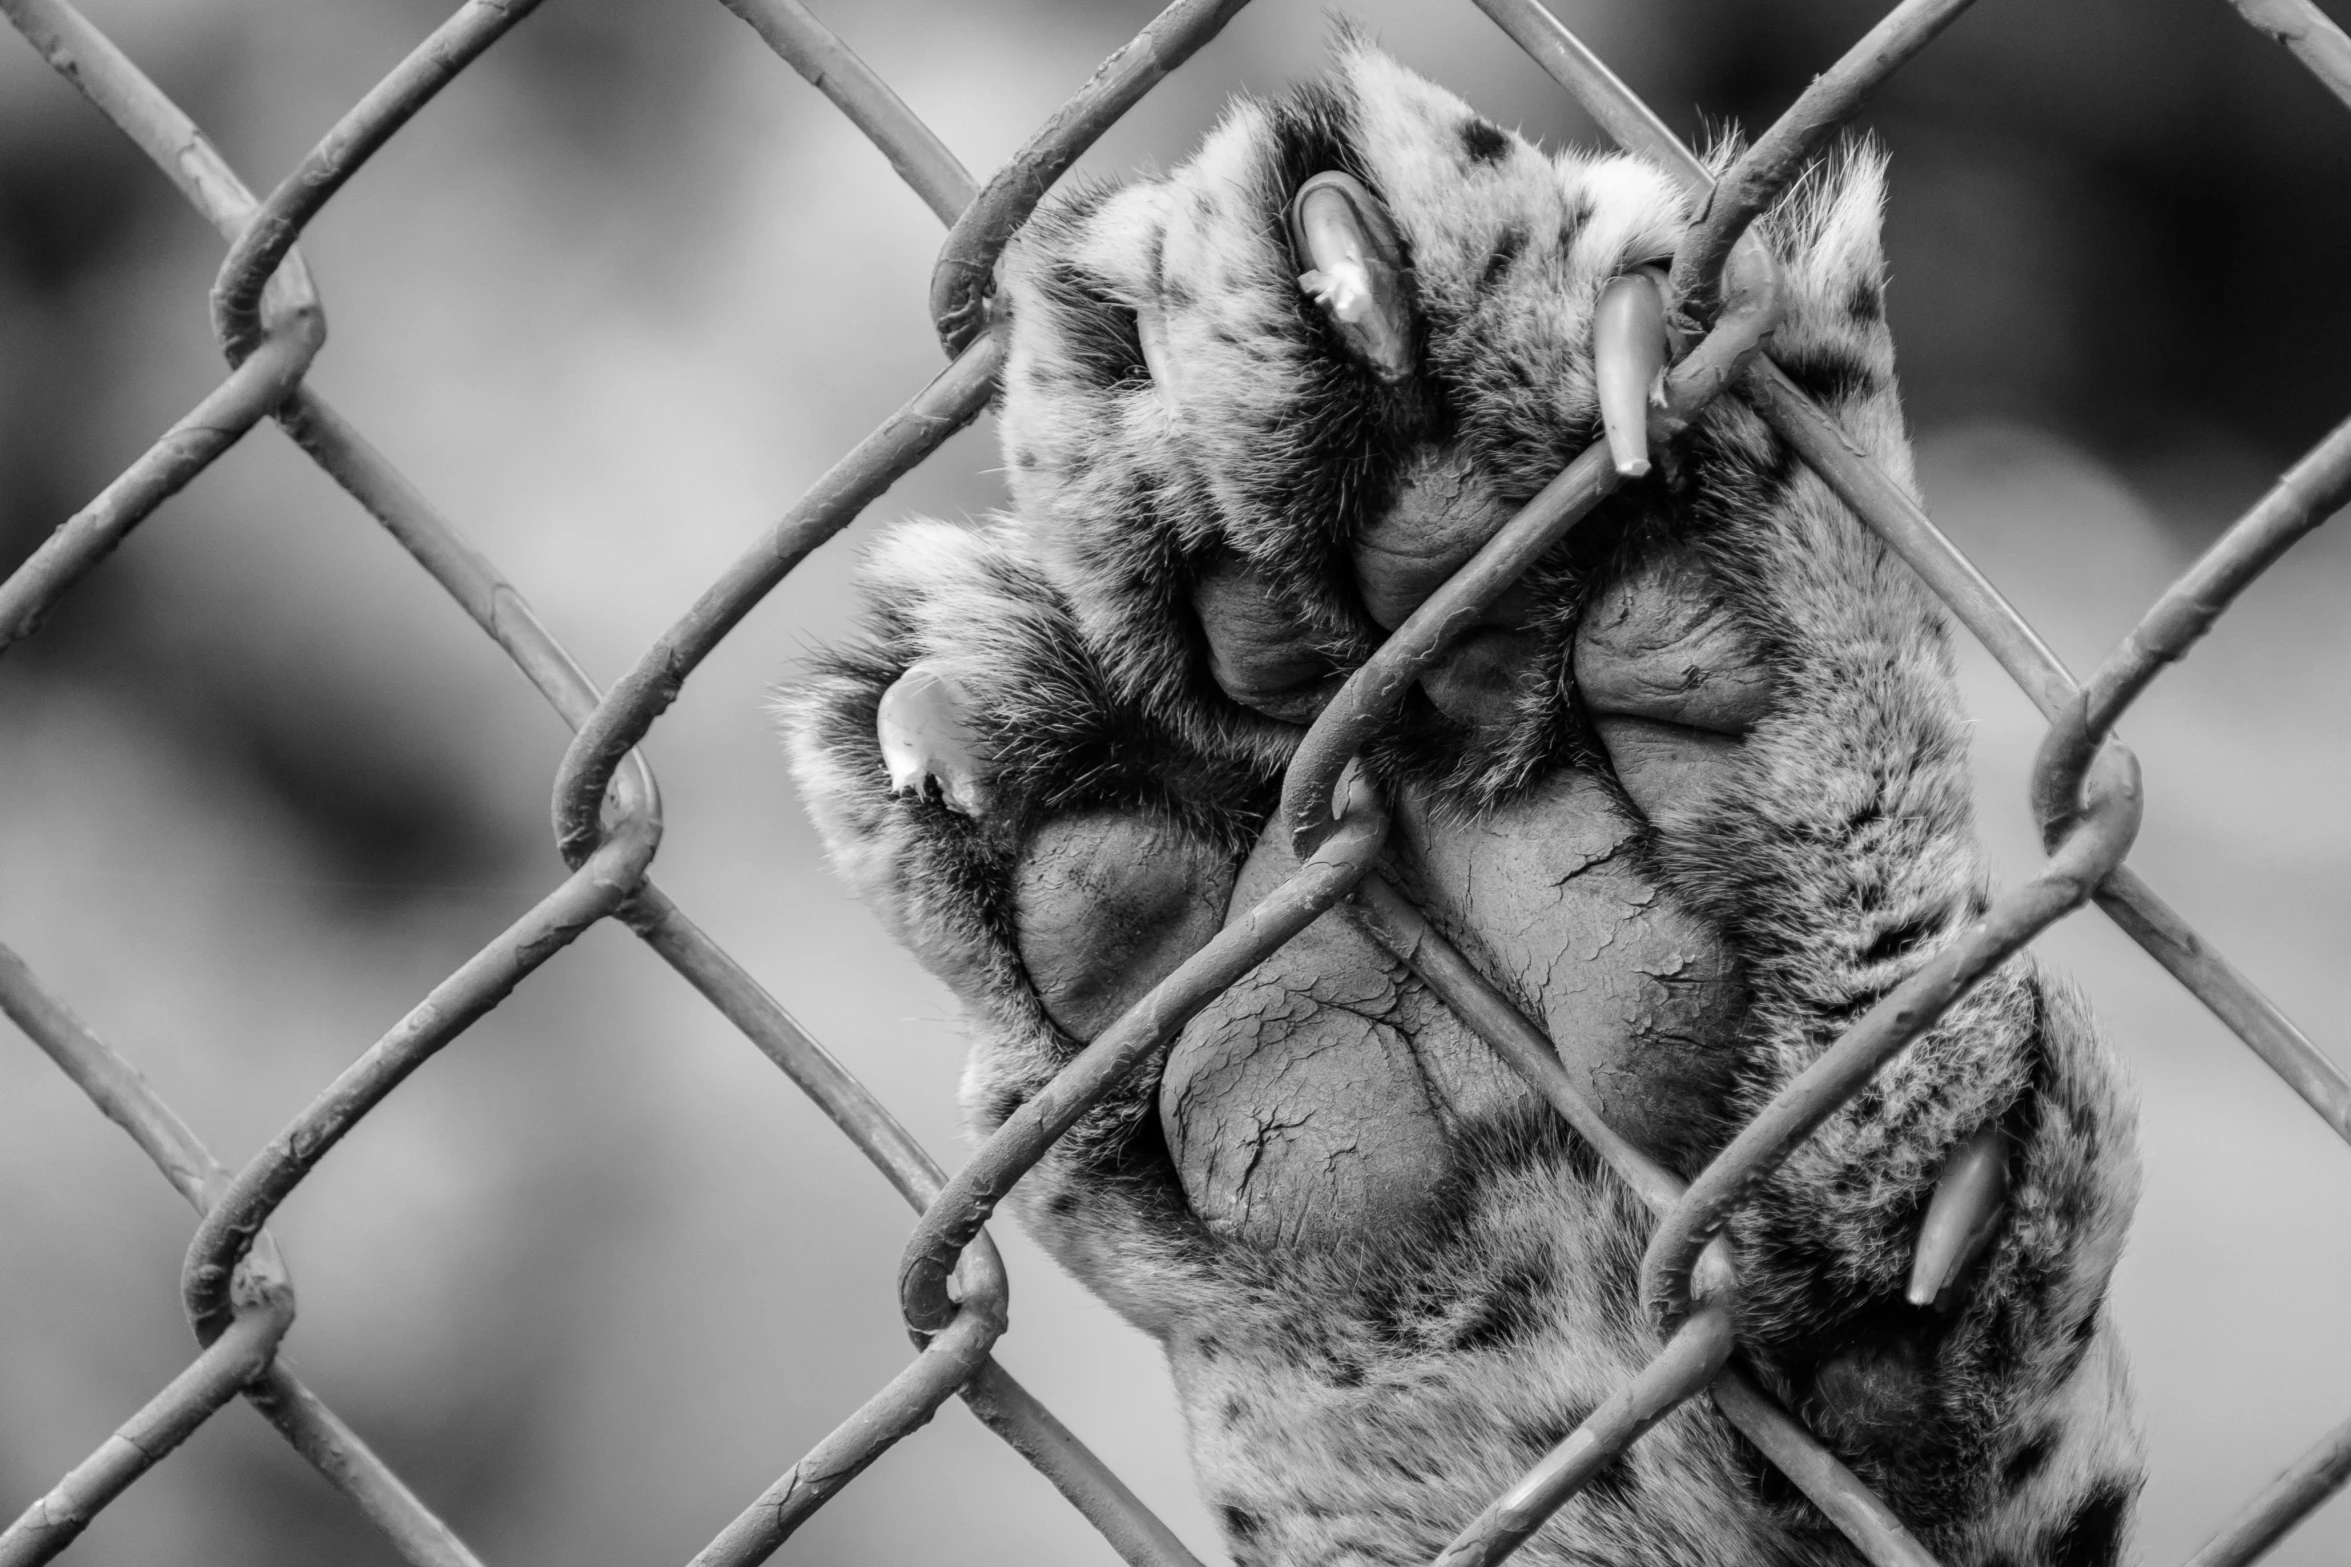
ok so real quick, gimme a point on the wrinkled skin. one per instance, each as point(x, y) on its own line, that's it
point(1313, 1101)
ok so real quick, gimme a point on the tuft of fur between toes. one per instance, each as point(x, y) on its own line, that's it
point(1694, 795)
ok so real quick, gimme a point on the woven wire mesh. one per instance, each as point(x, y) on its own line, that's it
point(269, 321)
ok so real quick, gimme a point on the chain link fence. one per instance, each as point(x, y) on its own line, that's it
point(269, 321)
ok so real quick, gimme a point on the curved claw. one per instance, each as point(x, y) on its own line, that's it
point(928, 740)
point(1352, 267)
point(1628, 352)
point(1970, 1197)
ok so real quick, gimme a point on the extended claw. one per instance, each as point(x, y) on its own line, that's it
point(927, 739)
point(1628, 352)
point(1353, 270)
point(1969, 1199)
point(1716, 1276)
point(1158, 357)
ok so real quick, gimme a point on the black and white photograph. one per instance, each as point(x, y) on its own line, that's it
point(1316, 783)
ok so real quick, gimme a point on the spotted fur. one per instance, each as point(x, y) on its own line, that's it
point(1359, 1403)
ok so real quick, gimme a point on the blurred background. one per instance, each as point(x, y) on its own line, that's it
point(598, 1274)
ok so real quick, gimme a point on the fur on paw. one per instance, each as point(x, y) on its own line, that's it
point(1693, 795)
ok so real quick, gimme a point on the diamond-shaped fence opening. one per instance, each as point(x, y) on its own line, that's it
point(270, 324)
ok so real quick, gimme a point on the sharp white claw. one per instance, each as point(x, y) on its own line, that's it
point(928, 740)
point(1970, 1197)
point(1716, 1277)
point(1158, 356)
point(1352, 267)
point(1628, 351)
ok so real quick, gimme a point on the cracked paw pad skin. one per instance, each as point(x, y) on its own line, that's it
point(1693, 794)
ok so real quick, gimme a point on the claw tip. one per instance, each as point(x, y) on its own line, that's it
point(926, 738)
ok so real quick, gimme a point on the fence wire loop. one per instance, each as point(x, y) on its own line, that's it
point(1724, 291)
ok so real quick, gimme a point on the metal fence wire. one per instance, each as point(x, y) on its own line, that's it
point(267, 315)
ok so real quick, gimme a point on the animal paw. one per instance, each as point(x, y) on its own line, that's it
point(1691, 794)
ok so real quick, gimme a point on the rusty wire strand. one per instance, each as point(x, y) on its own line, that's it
point(2292, 1497)
point(608, 815)
point(270, 232)
point(1001, 1403)
point(229, 1227)
point(837, 499)
point(965, 272)
point(125, 1097)
point(1765, 171)
point(217, 1375)
point(2303, 497)
point(923, 161)
point(2312, 36)
point(239, 403)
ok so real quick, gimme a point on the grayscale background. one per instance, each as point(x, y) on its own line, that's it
point(599, 1274)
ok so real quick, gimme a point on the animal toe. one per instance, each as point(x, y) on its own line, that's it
point(1106, 904)
point(1672, 685)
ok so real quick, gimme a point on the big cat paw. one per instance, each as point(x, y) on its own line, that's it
point(1691, 795)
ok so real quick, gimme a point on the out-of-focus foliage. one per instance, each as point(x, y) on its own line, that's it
point(598, 1274)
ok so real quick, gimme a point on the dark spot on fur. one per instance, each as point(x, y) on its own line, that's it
point(1830, 375)
point(1506, 251)
point(2026, 1462)
point(1389, 1316)
point(1346, 1373)
point(1508, 1310)
point(2077, 1344)
point(1403, 1467)
point(1064, 1204)
point(1233, 1411)
point(1900, 939)
point(1022, 457)
point(2092, 1537)
point(1099, 337)
point(1876, 1391)
point(1579, 213)
point(1484, 141)
point(1239, 1523)
point(1313, 131)
point(1865, 300)
point(1208, 1347)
